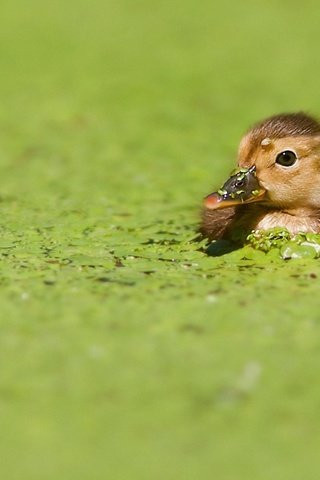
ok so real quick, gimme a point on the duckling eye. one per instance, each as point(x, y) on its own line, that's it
point(286, 158)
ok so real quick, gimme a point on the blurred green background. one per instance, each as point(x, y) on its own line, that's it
point(127, 353)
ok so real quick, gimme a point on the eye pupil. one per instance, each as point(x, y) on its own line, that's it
point(286, 158)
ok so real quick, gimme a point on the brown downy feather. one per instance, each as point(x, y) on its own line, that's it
point(286, 125)
point(216, 224)
point(233, 223)
point(280, 126)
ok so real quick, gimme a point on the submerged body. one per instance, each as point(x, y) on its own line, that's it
point(235, 223)
point(277, 185)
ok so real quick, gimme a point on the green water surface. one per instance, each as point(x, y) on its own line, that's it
point(126, 352)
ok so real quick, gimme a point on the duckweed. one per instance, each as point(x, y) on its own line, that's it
point(303, 245)
point(127, 352)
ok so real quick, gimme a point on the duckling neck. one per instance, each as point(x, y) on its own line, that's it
point(237, 222)
point(295, 220)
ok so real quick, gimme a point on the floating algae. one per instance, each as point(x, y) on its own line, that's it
point(302, 245)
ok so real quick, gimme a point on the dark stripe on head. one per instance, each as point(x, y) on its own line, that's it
point(280, 126)
point(286, 125)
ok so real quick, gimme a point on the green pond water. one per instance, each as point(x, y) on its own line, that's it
point(127, 352)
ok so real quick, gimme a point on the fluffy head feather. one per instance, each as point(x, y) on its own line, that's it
point(292, 197)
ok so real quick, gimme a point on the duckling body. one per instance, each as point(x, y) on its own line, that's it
point(282, 156)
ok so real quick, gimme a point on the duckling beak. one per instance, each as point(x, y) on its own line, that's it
point(241, 187)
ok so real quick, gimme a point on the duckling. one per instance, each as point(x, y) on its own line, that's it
point(277, 183)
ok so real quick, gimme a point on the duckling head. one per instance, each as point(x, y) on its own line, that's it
point(279, 166)
point(277, 183)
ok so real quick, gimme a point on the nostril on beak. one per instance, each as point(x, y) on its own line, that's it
point(239, 183)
